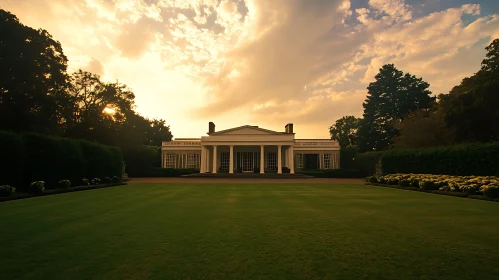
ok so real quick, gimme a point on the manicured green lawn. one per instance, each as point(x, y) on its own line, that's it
point(259, 231)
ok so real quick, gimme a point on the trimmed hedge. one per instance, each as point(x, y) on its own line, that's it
point(51, 159)
point(163, 172)
point(335, 173)
point(142, 159)
point(366, 162)
point(34, 157)
point(101, 161)
point(11, 162)
point(347, 157)
point(475, 159)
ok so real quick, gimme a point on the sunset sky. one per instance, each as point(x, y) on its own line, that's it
point(263, 62)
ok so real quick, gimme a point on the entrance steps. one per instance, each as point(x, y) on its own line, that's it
point(248, 175)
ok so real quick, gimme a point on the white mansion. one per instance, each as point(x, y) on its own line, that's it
point(250, 149)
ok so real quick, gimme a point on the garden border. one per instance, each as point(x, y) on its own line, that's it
point(454, 194)
point(59, 191)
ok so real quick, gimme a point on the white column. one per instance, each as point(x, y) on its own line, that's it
point(207, 160)
point(286, 157)
point(231, 160)
point(214, 159)
point(291, 160)
point(163, 159)
point(279, 160)
point(201, 168)
point(338, 161)
point(262, 158)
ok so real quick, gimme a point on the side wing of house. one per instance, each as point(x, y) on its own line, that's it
point(316, 154)
point(181, 153)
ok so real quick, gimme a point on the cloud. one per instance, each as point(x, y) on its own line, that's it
point(135, 38)
point(260, 61)
point(301, 61)
point(396, 10)
point(288, 44)
point(95, 66)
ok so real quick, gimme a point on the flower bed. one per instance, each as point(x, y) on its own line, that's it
point(487, 186)
point(22, 195)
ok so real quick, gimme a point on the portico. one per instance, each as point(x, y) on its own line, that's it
point(234, 157)
point(249, 149)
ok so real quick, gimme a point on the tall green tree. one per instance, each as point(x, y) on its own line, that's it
point(104, 112)
point(158, 132)
point(472, 108)
point(423, 128)
point(37, 95)
point(97, 109)
point(344, 131)
point(390, 98)
point(32, 78)
point(491, 62)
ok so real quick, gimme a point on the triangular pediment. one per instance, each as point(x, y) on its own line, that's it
point(246, 130)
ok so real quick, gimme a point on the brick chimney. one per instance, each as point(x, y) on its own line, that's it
point(211, 127)
point(289, 128)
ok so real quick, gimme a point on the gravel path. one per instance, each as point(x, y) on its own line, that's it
point(246, 180)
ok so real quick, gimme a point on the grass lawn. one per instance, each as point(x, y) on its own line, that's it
point(249, 231)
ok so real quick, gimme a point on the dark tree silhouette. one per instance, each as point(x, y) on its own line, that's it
point(345, 131)
point(37, 94)
point(32, 78)
point(472, 108)
point(390, 98)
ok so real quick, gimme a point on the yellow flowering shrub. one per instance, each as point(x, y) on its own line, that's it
point(486, 185)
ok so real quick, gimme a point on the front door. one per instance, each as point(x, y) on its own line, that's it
point(247, 161)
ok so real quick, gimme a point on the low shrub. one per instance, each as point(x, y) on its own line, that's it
point(491, 190)
point(393, 181)
point(64, 184)
point(335, 173)
point(405, 183)
point(428, 185)
point(470, 189)
point(163, 172)
point(84, 181)
point(6, 190)
point(372, 179)
point(414, 182)
point(37, 187)
point(95, 181)
point(469, 185)
point(116, 179)
point(107, 180)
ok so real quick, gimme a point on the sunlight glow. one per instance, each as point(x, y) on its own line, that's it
point(109, 111)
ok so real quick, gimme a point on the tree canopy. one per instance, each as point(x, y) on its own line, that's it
point(468, 113)
point(471, 107)
point(38, 95)
point(345, 131)
point(32, 77)
point(391, 97)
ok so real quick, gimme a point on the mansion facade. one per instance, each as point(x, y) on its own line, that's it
point(250, 149)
